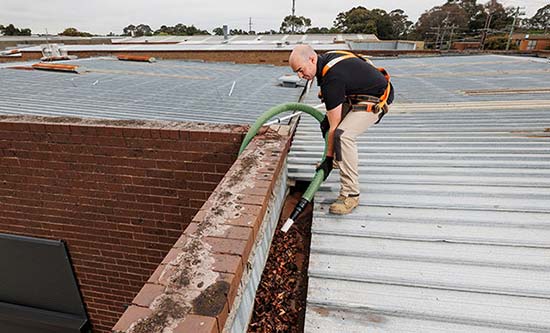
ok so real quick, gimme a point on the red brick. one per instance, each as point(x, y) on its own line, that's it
point(170, 134)
point(136, 132)
point(99, 180)
point(226, 263)
point(181, 242)
point(197, 324)
point(148, 294)
point(167, 273)
point(130, 316)
point(154, 278)
point(172, 255)
point(198, 136)
point(228, 246)
point(251, 199)
point(221, 317)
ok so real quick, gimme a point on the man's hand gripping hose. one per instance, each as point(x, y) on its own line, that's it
point(323, 170)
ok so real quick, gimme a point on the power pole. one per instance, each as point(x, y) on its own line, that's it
point(442, 39)
point(512, 29)
point(485, 30)
point(445, 27)
point(293, 12)
point(436, 45)
point(249, 25)
point(488, 23)
point(453, 27)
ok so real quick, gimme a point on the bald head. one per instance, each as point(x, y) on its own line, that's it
point(303, 61)
point(302, 52)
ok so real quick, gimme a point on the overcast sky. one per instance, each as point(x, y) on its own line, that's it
point(104, 16)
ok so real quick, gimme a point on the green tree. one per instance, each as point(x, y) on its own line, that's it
point(137, 31)
point(218, 31)
point(294, 24)
point(73, 32)
point(498, 43)
point(268, 32)
point(501, 18)
point(355, 20)
point(384, 24)
point(376, 21)
point(317, 30)
point(401, 25)
point(143, 30)
point(11, 30)
point(541, 19)
point(180, 30)
point(475, 14)
point(129, 30)
point(238, 32)
point(435, 24)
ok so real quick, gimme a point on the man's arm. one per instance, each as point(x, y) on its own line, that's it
point(334, 117)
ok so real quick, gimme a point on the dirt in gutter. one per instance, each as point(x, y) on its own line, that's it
point(280, 303)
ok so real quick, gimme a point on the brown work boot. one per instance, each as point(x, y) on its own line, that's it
point(344, 205)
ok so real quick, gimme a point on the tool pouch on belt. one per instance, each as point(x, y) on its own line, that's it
point(367, 103)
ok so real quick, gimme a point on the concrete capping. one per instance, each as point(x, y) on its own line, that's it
point(197, 283)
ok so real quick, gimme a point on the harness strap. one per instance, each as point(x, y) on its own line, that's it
point(334, 62)
point(382, 104)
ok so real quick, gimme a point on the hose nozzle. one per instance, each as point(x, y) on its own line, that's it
point(287, 225)
point(297, 210)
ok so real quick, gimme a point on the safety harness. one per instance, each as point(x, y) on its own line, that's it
point(371, 103)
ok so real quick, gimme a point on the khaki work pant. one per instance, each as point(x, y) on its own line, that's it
point(354, 124)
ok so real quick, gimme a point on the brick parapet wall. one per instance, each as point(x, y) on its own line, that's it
point(120, 193)
point(194, 288)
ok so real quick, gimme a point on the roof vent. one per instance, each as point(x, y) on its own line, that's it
point(290, 81)
point(225, 37)
point(53, 52)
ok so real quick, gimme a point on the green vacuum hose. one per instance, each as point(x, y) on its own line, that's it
point(319, 175)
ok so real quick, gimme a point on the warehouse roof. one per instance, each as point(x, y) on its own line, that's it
point(250, 39)
point(453, 229)
point(165, 90)
point(320, 42)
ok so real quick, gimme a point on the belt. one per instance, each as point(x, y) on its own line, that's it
point(366, 103)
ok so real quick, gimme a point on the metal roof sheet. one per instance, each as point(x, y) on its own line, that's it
point(306, 38)
point(167, 90)
point(199, 46)
point(453, 230)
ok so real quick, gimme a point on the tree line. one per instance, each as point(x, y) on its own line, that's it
point(11, 30)
point(455, 20)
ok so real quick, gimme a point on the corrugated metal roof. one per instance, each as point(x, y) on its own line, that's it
point(453, 230)
point(305, 38)
point(198, 46)
point(321, 42)
point(167, 90)
point(51, 38)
